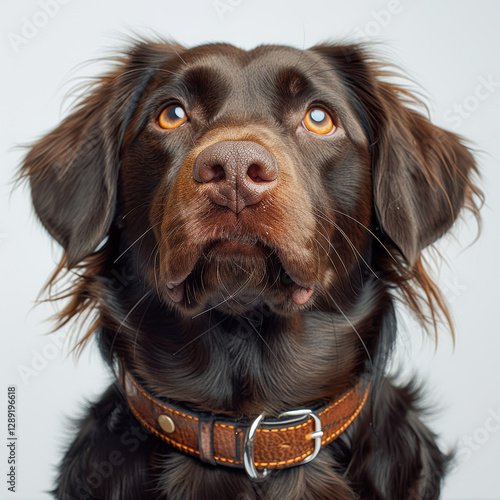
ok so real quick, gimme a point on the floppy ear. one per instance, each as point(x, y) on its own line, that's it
point(421, 173)
point(73, 170)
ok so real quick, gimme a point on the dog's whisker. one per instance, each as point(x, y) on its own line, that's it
point(330, 245)
point(137, 240)
point(264, 288)
point(356, 252)
point(155, 272)
point(242, 268)
point(138, 329)
point(197, 337)
point(178, 54)
point(355, 330)
point(314, 64)
point(131, 311)
point(152, 258)
point(265, 343)
point(202, 278)
point(220, 303)
point(233, 296)
point(318, 278)
point(369, 231)
point(127, 316)
point(148, 204)
point(224, 289)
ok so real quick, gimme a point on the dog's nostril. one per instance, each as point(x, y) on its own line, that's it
point(207, 173)
point(218, 173)
point(255, 172)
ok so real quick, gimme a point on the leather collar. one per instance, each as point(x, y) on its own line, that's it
point(255, 445)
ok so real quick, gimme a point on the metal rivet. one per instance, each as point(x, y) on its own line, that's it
point(166, 423)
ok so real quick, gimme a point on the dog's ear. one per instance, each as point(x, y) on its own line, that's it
point(421, 173)
point(73, 170)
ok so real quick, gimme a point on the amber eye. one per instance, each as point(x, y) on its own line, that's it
point(172, 116)
point(318, 121)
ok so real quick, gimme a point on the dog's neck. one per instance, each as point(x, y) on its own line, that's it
point(240, 365)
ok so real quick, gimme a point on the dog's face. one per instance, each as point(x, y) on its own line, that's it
point(239, 177)
point(246, 165)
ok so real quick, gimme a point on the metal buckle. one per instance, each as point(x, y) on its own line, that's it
point(252, 471)
point(248, 450)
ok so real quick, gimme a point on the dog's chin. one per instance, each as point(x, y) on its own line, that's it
point(235, 277)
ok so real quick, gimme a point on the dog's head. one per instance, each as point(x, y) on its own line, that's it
point(233, 177)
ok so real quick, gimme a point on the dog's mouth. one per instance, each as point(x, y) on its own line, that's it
point(240, 269)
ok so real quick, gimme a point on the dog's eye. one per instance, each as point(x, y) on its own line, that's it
point(172, 116)
point(318, 121)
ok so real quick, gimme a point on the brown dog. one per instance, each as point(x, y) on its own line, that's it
point(260, 211)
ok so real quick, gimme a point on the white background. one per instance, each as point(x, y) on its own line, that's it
point(449, 47)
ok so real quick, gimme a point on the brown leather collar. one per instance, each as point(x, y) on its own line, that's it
point(256, 445)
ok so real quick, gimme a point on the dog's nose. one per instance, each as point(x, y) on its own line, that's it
point(236, 174)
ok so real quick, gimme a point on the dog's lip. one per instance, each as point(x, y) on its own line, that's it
point(300, 291)
point(243, 245)
point(301, 295)
point(175, 288)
